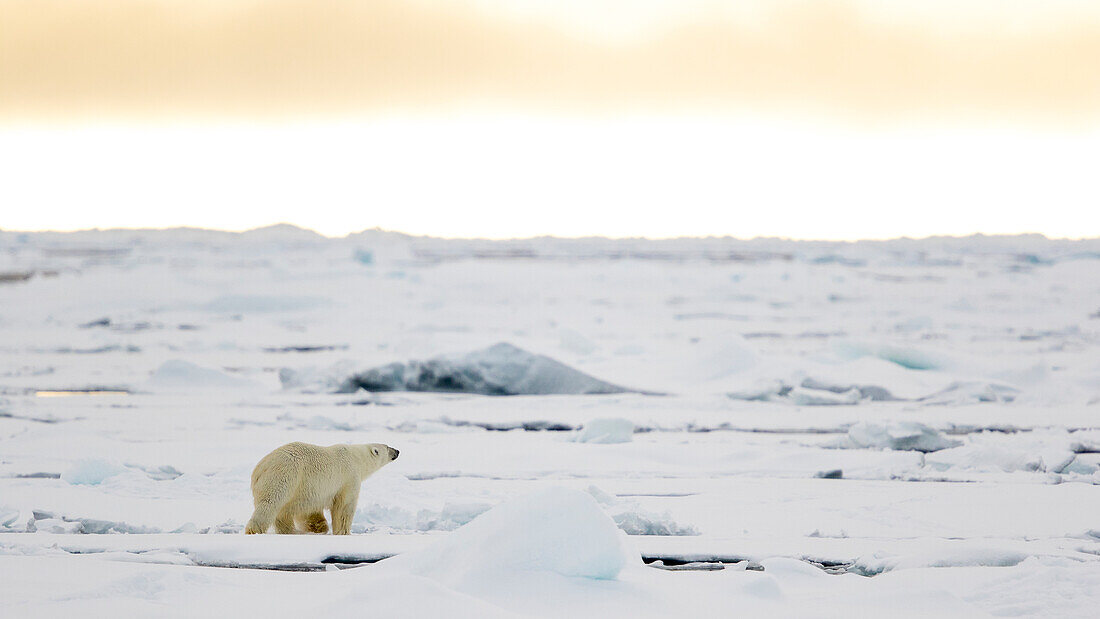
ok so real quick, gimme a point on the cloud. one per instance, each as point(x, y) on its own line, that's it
point(83, 59)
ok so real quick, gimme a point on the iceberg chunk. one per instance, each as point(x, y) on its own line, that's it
point(606, 430)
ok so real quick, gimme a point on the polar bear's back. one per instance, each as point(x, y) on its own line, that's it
point(286, 459)
point(305, 474)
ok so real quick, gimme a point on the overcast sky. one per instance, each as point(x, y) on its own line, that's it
point(836, 120)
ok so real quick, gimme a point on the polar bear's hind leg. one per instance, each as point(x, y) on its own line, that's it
point(264, 515)
point(269, 498)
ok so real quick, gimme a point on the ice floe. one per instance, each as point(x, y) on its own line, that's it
point(941, 553)
point(49, 522)
point(385, 515)
point(972, 392)
point(802, 396)
point(1043, 451)
point(634, 520)
point(899, 435)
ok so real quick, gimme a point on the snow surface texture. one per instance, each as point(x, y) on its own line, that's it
point(501, 369)
point(885, 429)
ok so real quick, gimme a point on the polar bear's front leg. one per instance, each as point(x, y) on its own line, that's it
point(343, 510)
point(316, 523)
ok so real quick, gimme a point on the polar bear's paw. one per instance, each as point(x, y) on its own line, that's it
point(315, 523)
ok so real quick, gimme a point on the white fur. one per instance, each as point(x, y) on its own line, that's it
point(293, 485)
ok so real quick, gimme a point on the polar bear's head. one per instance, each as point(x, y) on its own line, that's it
point(382, 454)
point(370, 457)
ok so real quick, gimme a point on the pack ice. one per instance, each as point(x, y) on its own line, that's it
point(699, 427)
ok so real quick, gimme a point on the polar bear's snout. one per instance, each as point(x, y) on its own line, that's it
point(394, 453)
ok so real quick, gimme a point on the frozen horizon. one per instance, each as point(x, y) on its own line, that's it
point(295, 228)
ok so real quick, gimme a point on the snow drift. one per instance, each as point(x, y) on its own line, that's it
point(556, 530)
point(177, 375)
point(501, 369)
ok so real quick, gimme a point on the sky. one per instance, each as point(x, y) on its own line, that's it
point(487, 118)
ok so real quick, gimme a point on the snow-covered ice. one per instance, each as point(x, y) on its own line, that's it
point(901, 427)
point(606, 430)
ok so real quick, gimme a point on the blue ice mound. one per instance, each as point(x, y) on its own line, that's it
point(91, 472)
point(908, 357)
point(501, 369)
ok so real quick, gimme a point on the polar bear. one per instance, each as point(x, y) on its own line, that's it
point(293, 485)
